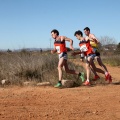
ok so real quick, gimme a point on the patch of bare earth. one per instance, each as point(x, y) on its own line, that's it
point(47, 103)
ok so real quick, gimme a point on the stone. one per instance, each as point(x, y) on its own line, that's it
point(68, 83)
point(28, 83)
point(5, 82)
point(43, 84)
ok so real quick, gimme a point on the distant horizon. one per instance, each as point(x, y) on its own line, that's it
point(39, 48)
point(28, 23)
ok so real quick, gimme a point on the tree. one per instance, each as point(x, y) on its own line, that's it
point(107, 43)
point(106, 40)
point(9, 50)
point(118, 49)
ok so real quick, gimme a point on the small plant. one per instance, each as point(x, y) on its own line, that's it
point(18, 67)
point(114, 60)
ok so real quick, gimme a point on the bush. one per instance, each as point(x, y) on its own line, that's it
point(18, 67)
point(114, 60)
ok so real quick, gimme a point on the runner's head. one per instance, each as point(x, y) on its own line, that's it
point(54, 33)
point(78, 34)
point(87, 31)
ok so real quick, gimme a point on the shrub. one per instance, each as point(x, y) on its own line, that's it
point(18, 67)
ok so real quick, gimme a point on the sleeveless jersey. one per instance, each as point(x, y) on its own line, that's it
point(85, 47)
point(60, 46)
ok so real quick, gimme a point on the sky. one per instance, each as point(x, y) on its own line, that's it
point(28, 23)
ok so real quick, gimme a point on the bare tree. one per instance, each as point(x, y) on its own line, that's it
point(106, 40)
point(118, 49)
point(107, 43)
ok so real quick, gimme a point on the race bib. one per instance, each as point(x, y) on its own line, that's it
point(58, 49)
point(83, 48)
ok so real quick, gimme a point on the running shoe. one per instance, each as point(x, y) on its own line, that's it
point(108, 77)
point(82, 76)
point(96, 77)
point(86, 83)
point(58, 85)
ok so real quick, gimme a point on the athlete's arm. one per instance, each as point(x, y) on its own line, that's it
point(92, 37)
point(69, 40)
point(76, 53)
point(88, 39)
point(54, 50)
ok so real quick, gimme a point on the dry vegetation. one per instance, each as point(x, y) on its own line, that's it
point(18, 67)
point(113, 60)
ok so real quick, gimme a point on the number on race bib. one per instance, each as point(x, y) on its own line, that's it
point(84, 48)
point(58, 49)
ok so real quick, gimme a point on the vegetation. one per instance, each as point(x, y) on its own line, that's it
point(113, 60)
point(118, 49)
point(18, 67)
point(39, 66)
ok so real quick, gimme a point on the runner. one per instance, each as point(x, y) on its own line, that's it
point(60, 48)
point(85, 48)
point(82, 57)
point(94, 43)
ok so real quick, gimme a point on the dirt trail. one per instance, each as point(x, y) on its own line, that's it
point(47, 103)
point(114, 71)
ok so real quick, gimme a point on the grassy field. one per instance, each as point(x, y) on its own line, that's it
point(18, 67)
point(113, 60)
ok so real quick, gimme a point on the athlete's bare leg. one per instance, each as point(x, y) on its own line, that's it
point(60, 65)
point(68, 70)
point(95, 69)
point(101, 64)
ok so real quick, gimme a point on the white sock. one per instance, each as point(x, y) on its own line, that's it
point(106, 73)
point(88, 80)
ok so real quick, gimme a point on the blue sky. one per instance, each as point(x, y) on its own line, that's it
point(27, 23)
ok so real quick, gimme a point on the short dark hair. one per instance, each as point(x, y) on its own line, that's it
point(78, 33)
point(55, 31)
point(87, 28)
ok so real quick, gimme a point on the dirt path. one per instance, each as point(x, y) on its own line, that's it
point(114, 71)
point(47, 103)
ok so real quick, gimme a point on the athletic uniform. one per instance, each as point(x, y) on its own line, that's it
point(95, 47)
point(82, 55)
point(86, 48)
point(61, 48)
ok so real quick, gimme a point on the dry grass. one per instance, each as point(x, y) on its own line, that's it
point(18, 67)
point(113, 60)
point(22, 66)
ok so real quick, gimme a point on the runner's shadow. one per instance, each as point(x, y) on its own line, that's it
point(116, 83)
